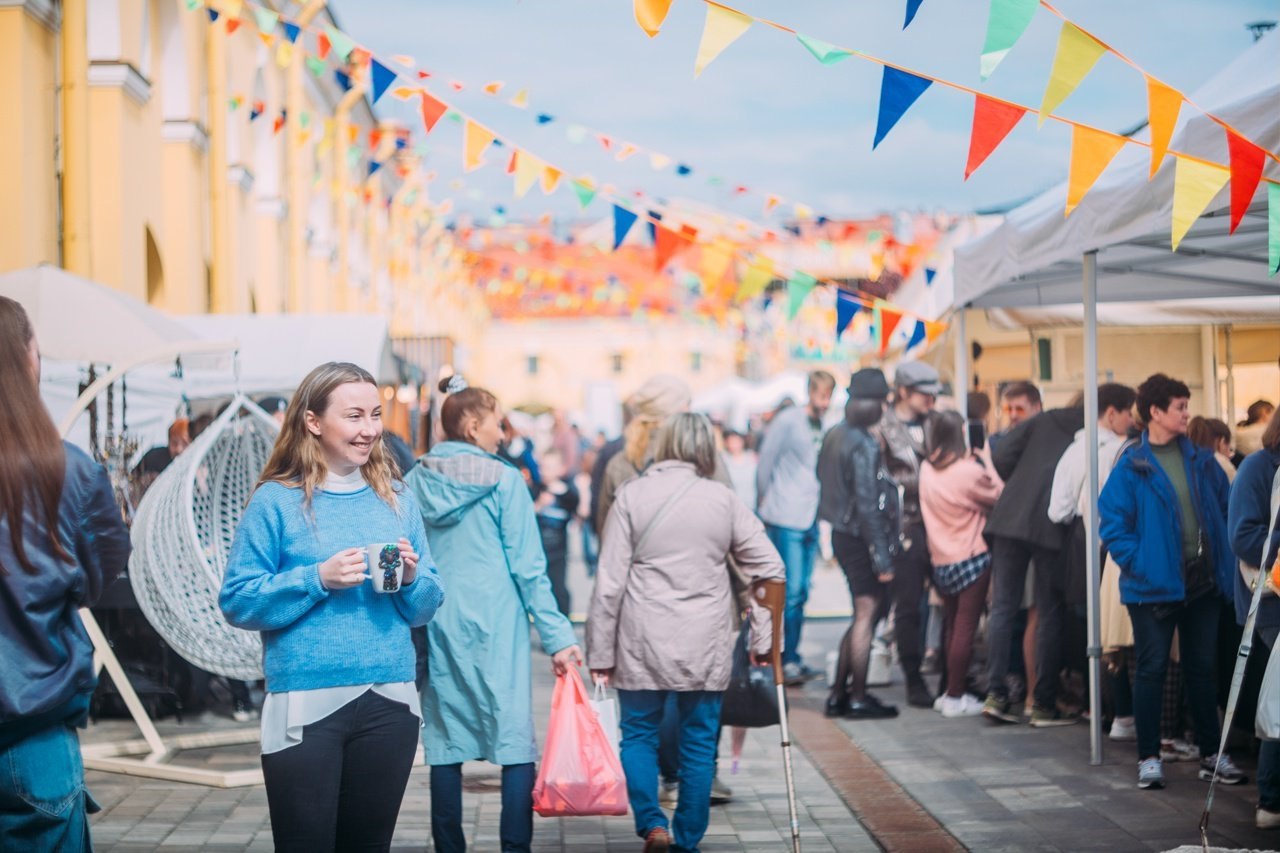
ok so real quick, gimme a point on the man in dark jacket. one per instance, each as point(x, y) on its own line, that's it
point(1020, 531)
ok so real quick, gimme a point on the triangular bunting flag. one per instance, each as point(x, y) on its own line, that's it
point(1091, 151)
point(1163, 104)
point(1273, 228)
point(512, 161)
point(521, 99)
point(898, 91)
point(1247, 160)
point(929, 275)
point(889, 320)
point(543, 118)
point(1077, 53)
point(528, 171)
point(233, 24)
point(770, 202)
point(757, 278)
point(623, 219)
point(659, 161)
point(913, 6)
point(550, 179)
point(213, 14)
point(722, 28)
point(798, 288)
point(374, 166)
point(824, 52)
point(933, 330)
point(584, 191)
point(342, 79)
point(291, 31)
point(284, 54)
point(917, 335)
point(715, 262)
point(492, 88)
point(475, 139)
point(1007, 20)
point(315, 65)
point(342, 45)
point(846, 306)
point(432, 110)
point(265, 19)
point(382, 78)
point(666, 243)
point(650, 14)
point(992, 121)
point(1195, 185)
point(323, 46)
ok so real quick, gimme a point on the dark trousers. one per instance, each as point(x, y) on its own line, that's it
point(1009, 561)
point(961, 624)
point(341, 788)
point(1197, 624)
point(515, 827)
point(910, 570)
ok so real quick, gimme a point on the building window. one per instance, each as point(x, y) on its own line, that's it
point(531, 365)
point(616, 361)
point(695, 362)
point(1044, 353)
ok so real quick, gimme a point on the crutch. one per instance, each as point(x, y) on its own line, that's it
point(772, 596)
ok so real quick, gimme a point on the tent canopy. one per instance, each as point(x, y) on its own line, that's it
point(1034, 258)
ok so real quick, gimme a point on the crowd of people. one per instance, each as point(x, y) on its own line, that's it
point(394, 596)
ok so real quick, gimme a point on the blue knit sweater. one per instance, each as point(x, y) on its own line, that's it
point(313, 637)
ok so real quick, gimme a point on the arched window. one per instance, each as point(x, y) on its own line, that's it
point(155, 272)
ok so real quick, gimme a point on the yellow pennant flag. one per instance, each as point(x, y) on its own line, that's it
point(1077, 53)
point(528, 171)
point(1091, 151)
point(758, 276)
point(1163, 104)
point(521, 99)
point(475, 139)
point(284, 54)
point(550, 180)
point(803, 211)
point(1194, 186)
point(723, 28)
point(659, 161)
point(650, 14)
point(715, 262)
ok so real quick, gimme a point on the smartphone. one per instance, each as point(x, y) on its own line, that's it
point(977, 435)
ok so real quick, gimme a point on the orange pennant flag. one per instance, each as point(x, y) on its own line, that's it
point(1247, 161)
point(550, 180)
point(932, 330)
point(1163, 104)
point(626, 151)
point(650, 14)
point(889, 320)
point(1091, 151)
point(770, 203)
point(493, 88)
point(992, 121)
point(475, 139)
point(432, 110)
point(723, 27)
point(233, 24)
point(667, 242)
point(1077, 53)
point(715, 262)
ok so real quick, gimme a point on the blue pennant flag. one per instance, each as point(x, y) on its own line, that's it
point(291, 31)
point(913, 6)
point(374, 166)
point(543, 118)
point(682, 170)
point(917, 335)
point(213, 14)
point(343, 79)
point(928, 275)
point(382, 78)
point(846, 306)
point(654, 218)
point(623, 219)
point(898, 91)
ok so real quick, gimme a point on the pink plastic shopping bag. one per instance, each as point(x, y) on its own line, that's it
point(580, 772)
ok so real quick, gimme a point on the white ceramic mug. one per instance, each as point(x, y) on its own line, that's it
point(386, 566)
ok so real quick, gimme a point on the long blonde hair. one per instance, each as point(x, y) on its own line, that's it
point(297, 460)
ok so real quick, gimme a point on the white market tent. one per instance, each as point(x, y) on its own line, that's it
point(1115, 249)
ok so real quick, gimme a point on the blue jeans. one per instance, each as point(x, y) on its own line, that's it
point(43, 801)
point(1197, 624)
point(699, 713)
point(798, 549)
point(515, 827)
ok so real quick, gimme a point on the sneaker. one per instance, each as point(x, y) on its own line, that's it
point(1044, 718)
point(1228, 773)
point(796, 674)
point(668, 794)
point(720, 792)
point(961, 706)
point(657, 840)
point(918, 693)
point(241, 713)
point(870, 708)
point(996, 709)
point(1122, 728)
point(1150, 773)
point(937, 703)
point(1266, 819)
point(931, 663)
point(1178, 750)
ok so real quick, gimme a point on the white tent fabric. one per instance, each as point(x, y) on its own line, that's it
point(1034, 258)
point(1242, 310)
point(933, 299)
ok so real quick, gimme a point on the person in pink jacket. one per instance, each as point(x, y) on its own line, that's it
point(957, 491)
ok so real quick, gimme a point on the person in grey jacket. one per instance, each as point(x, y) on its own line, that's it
point(787, 497)
point(863, 536)
point(62, 540)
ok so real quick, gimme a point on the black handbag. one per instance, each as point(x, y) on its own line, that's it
point(751, 701)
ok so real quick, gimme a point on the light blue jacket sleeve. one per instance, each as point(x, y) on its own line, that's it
point(418, 601)
point(527, 563)
point(258, 594)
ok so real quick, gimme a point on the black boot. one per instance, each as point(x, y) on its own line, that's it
point(918, 695)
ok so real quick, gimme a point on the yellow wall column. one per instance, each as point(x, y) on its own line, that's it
point(75, 139)
point(223, 297)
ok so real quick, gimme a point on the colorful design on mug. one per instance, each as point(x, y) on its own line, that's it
point(389, 561)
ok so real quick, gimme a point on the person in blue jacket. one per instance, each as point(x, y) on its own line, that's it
point(309, 569)
point(1163, 518)
point(1249, 514)
point(62, 540)
point(478, 700)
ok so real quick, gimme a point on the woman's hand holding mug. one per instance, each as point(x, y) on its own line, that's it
point(409, 557)
point(344, 570)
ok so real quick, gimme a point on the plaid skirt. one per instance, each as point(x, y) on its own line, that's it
point(954, 578)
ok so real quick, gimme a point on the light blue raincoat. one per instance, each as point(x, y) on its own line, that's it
point(478, 701)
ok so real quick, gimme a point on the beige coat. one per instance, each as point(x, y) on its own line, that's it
point(662, 619)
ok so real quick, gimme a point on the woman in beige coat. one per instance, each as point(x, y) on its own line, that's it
point(662, 617)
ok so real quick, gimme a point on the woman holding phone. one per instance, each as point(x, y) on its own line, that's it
point(340, 722)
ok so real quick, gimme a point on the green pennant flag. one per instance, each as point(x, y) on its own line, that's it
point(266, 19)
point(192, 5)
point(585, 193)
point(798, 287)
point(342, 45)
point(1273, 228)
point(315, 65)
point(824, 52)
point(1007, 20)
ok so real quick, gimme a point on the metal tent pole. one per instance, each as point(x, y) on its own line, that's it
point(1092, 550)
point(961, 391)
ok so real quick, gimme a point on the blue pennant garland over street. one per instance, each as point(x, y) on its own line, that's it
point(382, 78)
point(917, 335)
point(846, 307)
point(913, 6)
point(623, 219)
point(898, 91)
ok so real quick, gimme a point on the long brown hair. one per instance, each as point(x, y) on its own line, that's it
point(1271, 435)
point(297, 460)
point(33, 464)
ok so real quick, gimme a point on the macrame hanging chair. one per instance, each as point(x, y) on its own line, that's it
point(182, 534)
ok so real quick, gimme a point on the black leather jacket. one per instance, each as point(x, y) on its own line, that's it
point(902, 455)
point(46, 658)
point(848, 468)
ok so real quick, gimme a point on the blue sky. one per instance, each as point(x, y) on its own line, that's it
point(766, 114)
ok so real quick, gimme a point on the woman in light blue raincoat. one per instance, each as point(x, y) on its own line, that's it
point(478, 701)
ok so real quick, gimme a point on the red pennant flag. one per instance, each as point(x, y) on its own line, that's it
point(432, 110)
point(322, 45)
point(423, 75)
point(605, 142)
point(667, 242)
point(888, 322)
point(233, 24)
point(511, 163)
point(992, 121)
point(375, 136)
point(1247, 161)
